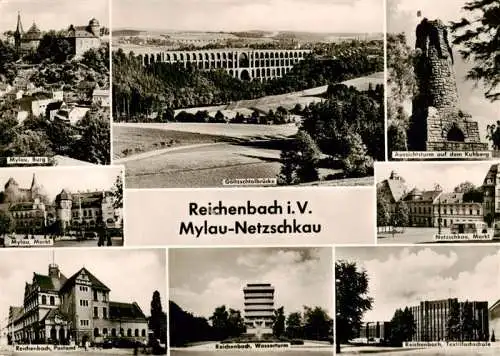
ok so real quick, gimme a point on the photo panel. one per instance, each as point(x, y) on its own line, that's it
point(245, 300)
point(445, 202)
point(429, 300)
point(55, 83)
point(61, 207)
point(226, 97)
point(442, 80)
point(74, 300)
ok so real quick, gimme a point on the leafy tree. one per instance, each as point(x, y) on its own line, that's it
point(94, 144)
point(383, 212)
point(235, 323)
point(54, 47)
point(400, 74)
point(464, 187)
point(118, 192)
point(453, 322)
point(7, 222)
point(219, 321)
point(299, 160)
point(316, 323)
point(294, 329)
point(478, 37)
point(185, 327)
point(402, 327)
point(352, 300)
point(31, 144)
point(158, 320)
point(279, 322)
point(357, 163)
point(467, 323)
point(401, 217)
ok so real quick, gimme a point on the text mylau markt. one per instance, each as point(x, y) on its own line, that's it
point(286, 225)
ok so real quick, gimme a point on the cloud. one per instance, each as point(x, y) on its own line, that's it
point(408, 277)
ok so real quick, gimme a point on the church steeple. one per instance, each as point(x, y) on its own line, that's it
point(34, 183)
point(19, 31)
point(19, 28)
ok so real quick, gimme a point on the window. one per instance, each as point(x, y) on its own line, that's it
point(44, 299)
point(84, 303)
point(96, 332)
point(105, 331)
point(113, 332)
point(95, 294)
point(129, 332)
point(104, 297)
point(104, 313)
point(96, 312)
point(52, 300)
point(143, 333)
point(122, 332)
point(136, 332)
point(84, 323)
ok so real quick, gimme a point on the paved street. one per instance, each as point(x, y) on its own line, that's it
point(417, 235)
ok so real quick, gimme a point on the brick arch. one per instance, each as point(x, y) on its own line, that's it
point(453, 132)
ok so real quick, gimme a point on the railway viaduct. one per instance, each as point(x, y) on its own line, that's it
point(244, 64)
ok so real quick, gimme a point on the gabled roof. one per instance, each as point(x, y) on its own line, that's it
point(53, 313)
point(48, 283)
point(123, 311)
point(397, 188)
point(96, 284)
point(495, 305)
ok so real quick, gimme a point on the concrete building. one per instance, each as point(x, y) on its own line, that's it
point(244, 64)
point(431, 319)
point(375, 331)
point(60, 310)
point(259, 308)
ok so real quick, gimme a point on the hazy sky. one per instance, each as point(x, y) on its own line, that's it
point(52, 14)
point(404, 276)
point(202, 279)
point(131, 274)
point(402, 17)
point(54, 179)
point(238, 15)
point(424, 176)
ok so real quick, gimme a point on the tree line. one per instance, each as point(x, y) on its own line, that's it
point(141, 90)
point(228, 325)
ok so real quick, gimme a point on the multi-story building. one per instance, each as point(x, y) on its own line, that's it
point(61, 310)
point(427, 207)
point(34, 213)
point(259, 308)
point(431, 319)
point(375, 331)
point(81, 38)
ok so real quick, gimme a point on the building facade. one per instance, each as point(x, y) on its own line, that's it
point(259, 308)
point(81, 38)
point(60, 310)
point(431, 319)
point(33, 213)
point(244, 64)
point(430, 208)
point(375, 331)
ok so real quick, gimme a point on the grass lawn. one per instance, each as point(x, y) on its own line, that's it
point(131, 140)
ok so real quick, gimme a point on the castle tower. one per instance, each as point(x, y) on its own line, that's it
point(18, 34)
point(11, 191)
point(35, 188)
point(63, 210)
point(437, 124)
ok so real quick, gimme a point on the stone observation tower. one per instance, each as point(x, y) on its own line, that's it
point(437, 123)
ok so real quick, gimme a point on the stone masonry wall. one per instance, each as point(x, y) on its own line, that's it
point(436, 106)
